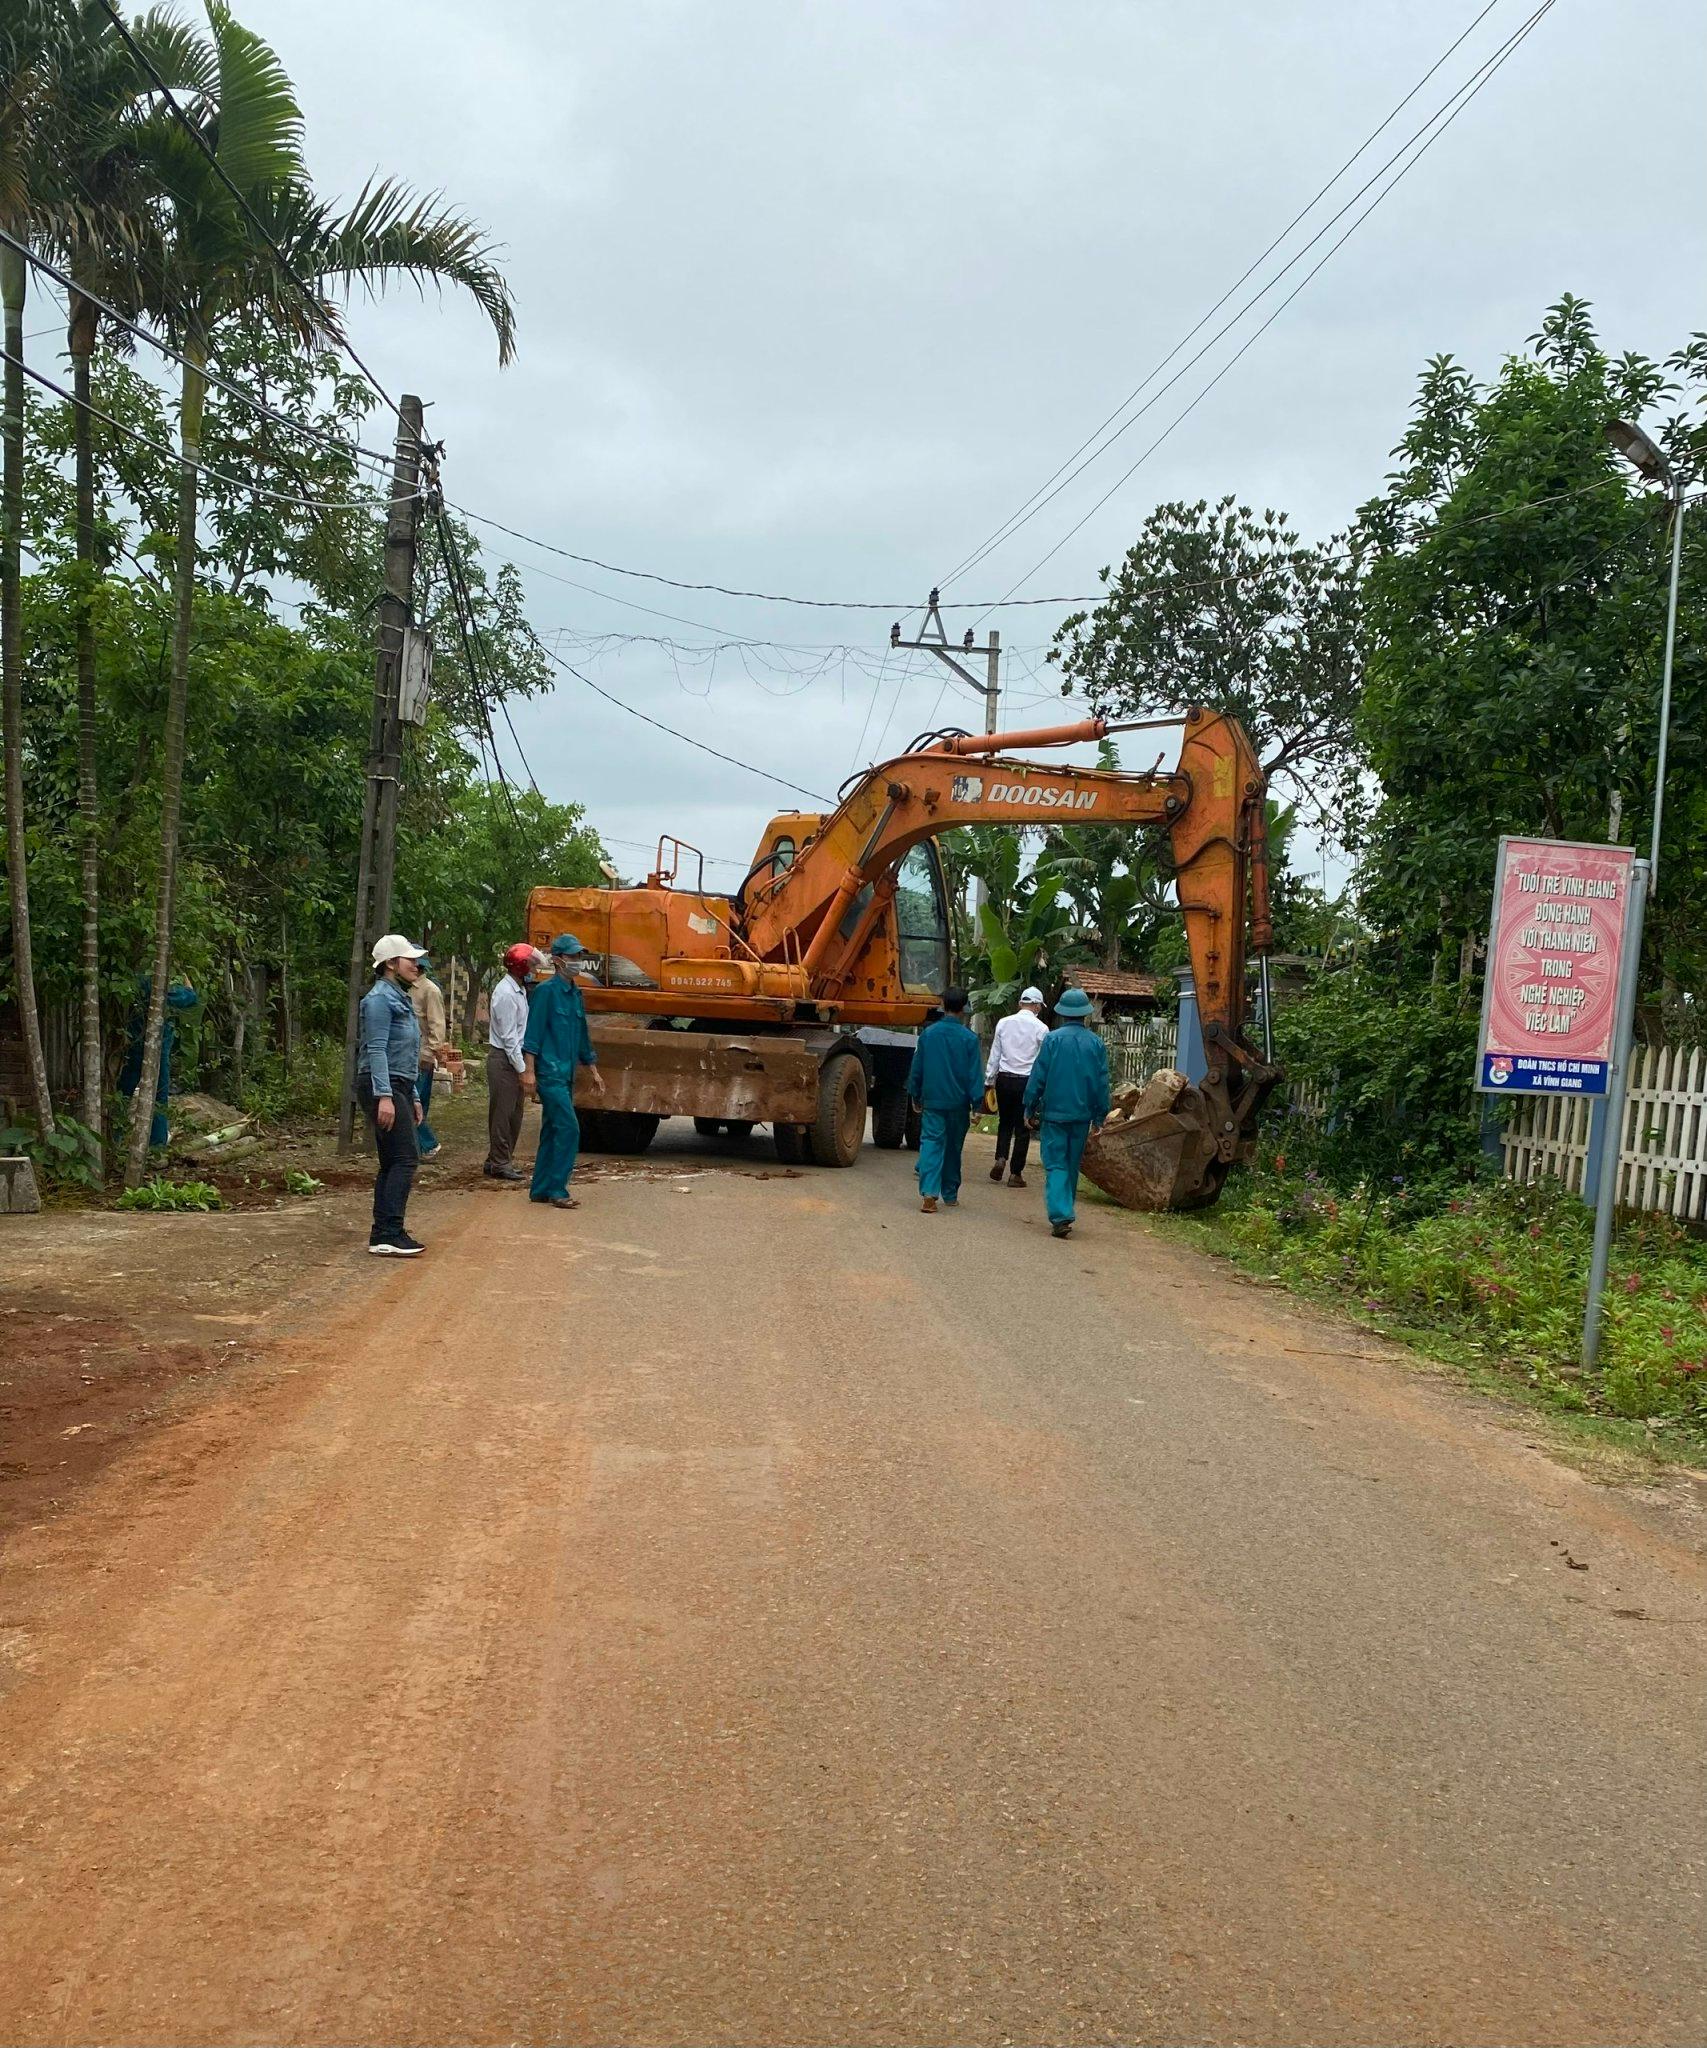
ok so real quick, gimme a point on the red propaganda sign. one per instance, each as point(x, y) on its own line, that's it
point(1549, 1004)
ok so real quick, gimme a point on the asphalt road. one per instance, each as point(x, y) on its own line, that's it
point(747, 1610)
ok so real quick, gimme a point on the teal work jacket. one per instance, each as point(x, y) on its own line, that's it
point(948, 1067)
point(1069, 1082)
point(557, 1033)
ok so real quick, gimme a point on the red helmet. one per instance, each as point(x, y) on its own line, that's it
point(518, 956)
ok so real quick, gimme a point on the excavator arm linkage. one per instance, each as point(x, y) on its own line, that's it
point(1175, 1149)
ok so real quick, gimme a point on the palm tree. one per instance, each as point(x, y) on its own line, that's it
point(27, 51)
point(217, 267)
point(100, 216)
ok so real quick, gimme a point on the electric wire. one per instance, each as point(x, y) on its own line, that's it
point(247, 485)
point(827, 604)
point(356, 449)
point(316, 304)
point(687, 738)
point(1184, 341)
point(1465, 97)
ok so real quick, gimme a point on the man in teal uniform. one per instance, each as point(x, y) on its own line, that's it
point(555, 1043)
point(1067, 1096)
point(946, 1081)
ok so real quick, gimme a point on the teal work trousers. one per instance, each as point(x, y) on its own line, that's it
point(1063, 1147)
point(559, 1139)
point(942, 1135)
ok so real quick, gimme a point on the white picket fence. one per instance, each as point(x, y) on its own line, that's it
point(1662, 1160)
point(1137, 1046)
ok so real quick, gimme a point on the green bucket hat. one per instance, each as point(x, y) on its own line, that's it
point(1072, 1002)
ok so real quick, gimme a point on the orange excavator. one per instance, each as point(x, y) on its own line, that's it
point(792, 1000)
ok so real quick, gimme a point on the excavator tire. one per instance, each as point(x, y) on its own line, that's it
point(912, 1128)
point(791, 1143)
point(838, 1130)
point(889, 1117)
point(623, 1131)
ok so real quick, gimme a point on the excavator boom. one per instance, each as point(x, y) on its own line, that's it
point(810, 945)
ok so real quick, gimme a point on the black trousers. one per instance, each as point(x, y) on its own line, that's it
point(1013, 1140)
point(396, 1150)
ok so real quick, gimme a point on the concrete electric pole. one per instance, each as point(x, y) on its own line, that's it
point(377, 864)
point(990, 689)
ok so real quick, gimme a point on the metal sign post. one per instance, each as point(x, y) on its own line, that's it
point(1617, 1094)
point(1559, 1000)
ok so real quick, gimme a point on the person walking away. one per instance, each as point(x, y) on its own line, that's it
point(505, 1103)
point(386, 1065)
point(555, 1043)
point(945, 1083)
point(427, 1000)
point(1066, 1099)
point(1013, 1052)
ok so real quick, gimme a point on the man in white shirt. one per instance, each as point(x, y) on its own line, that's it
point(1013, 1052)
point(504, 1063)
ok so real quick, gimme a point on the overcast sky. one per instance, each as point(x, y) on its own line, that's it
point(812, 297)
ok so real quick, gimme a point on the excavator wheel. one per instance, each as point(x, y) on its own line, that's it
point(912, 1128)
point(622, 1131)
point(889, 1116)
point(791, 1143)
point(838, 1130)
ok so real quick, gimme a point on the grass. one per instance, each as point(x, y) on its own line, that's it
point(1490, 1281)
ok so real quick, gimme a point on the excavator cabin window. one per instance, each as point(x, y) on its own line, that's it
point(921, 919)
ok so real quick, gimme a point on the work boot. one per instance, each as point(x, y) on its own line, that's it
point(1016, 1180)
point(1060, 1229)
point(1000, 1167)
point(928, 1205)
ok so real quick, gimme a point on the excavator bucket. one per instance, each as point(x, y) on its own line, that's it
point(1158, 1149)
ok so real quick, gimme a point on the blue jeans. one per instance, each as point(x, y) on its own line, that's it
point(424, 1096)
point(1063, 1147)
point(559, 1138)
point(942, 1133)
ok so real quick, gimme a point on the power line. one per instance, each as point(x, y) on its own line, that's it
point(686, 738)
point(244, 484)
point(1464, 97)
point(213, 377)
point(315, 302)
point(1321, 193)
point(828, 604)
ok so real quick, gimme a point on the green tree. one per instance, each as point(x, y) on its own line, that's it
point(1515, 600)
point(28, 50)
point(1215, 605)
point(217, 266)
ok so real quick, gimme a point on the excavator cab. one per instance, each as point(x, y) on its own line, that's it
point(921, 921)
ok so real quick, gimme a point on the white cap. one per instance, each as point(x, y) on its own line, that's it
point(1032, 995)
point(394, 946)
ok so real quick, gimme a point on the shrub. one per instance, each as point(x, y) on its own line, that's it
point(161, 1194)
point(1500, 1265)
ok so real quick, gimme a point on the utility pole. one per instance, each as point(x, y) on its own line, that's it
point(377, 865)
point(990, 689)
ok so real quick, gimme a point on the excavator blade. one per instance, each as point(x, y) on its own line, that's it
point(1158, 1149)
